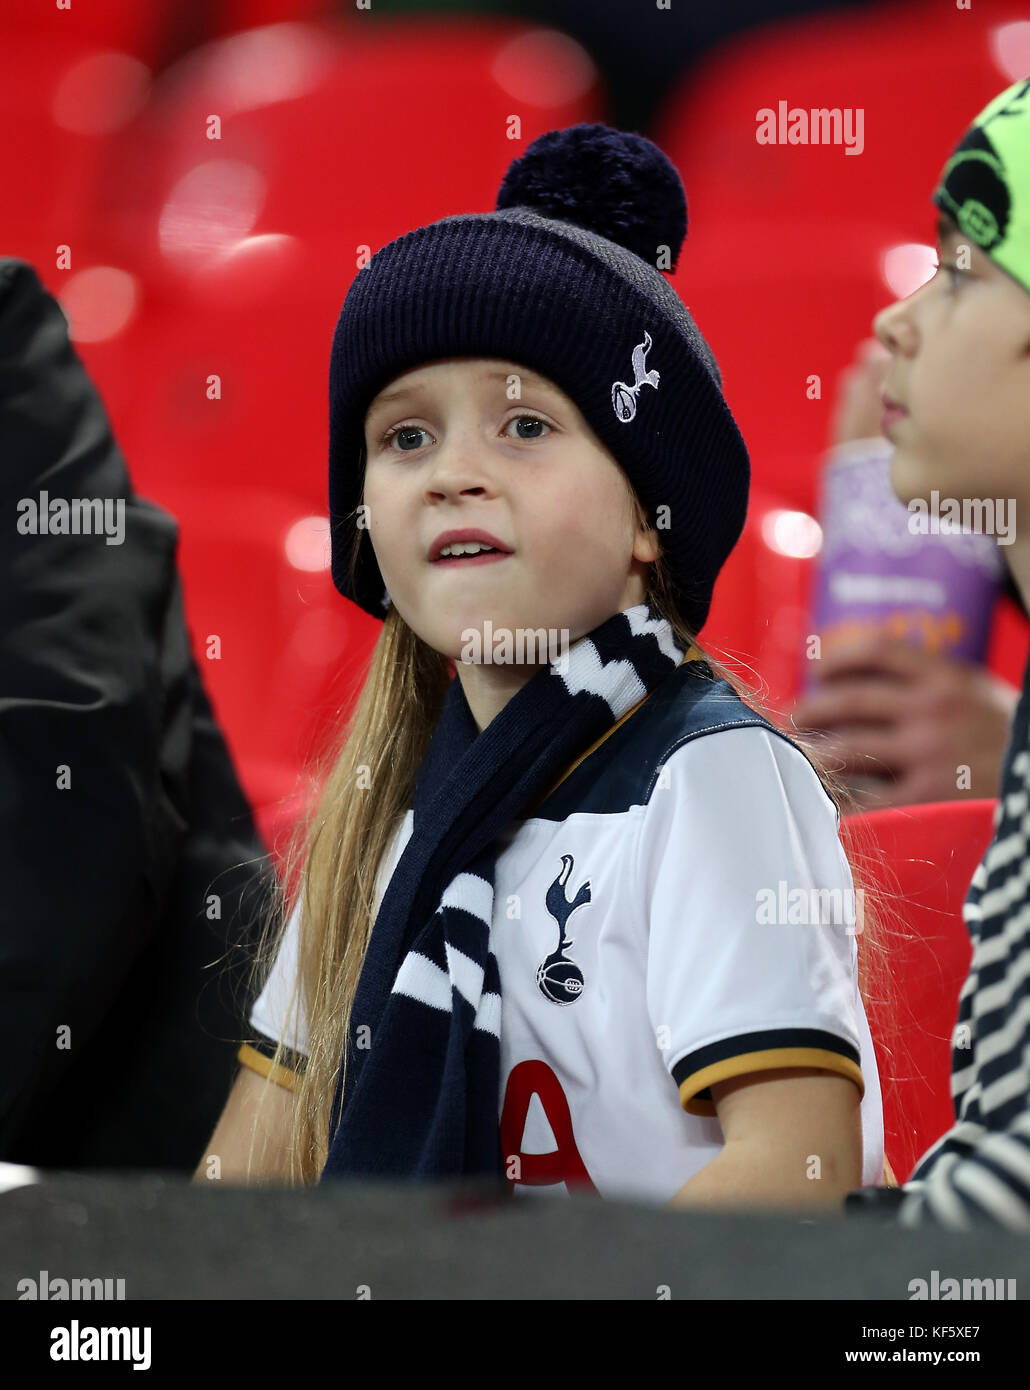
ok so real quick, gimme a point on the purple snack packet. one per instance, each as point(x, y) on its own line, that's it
point(897, 570)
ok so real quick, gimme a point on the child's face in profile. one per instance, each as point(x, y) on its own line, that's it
point(457, 445)
point(960, 368)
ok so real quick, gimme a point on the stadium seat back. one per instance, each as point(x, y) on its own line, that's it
point(275, 643)
point(922, 859)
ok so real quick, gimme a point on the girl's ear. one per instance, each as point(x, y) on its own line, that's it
point(645, 543)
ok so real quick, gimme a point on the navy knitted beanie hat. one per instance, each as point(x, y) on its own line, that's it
point(561, 278)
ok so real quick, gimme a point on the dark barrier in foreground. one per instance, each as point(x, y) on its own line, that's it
point(168, 1239)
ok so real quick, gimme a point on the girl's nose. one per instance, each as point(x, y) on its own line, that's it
point(894, 328)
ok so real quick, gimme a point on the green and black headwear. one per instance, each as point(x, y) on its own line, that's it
point(985, 185)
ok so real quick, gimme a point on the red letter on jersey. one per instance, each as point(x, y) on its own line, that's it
point(563, 1164)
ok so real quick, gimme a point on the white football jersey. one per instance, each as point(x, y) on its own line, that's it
point(674, 914)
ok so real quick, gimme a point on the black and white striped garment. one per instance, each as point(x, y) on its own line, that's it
point(979, 1171)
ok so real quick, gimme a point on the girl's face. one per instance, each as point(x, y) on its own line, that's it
point(489, 445)
point(960, 368)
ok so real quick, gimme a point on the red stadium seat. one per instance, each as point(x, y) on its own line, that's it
point(232, 16)
point(315, 143)
point(1008, 643)
point(918, 72)
point(277, 647)
point(125, 25)
point(60, 102)
point(783, 305)
point(927, 855)
point(227, 385)
point(759, 608)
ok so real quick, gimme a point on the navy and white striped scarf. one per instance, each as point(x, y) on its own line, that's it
point(421, 1102)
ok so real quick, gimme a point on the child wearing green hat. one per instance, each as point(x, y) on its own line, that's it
point(956, 409)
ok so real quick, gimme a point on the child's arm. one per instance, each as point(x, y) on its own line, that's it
point(793, 1139)
point(256, 1108)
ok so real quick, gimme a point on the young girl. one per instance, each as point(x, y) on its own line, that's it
point(956, 411)
point(583, 975)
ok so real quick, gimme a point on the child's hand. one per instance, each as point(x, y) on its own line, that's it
point(906, 722)
point(858, 407)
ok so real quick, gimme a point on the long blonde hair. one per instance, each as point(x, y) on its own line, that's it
point(367, 781)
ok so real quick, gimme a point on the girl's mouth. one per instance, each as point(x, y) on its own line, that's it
point(891, 414)
point(485, 557)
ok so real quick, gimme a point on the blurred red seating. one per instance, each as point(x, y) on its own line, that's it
point(783, 305)
point(277, 646)
point(231, 16)
point(61, 100)
point(923, 858)
point(918, 72)
point(126, 25)
point(759, 610)
point(228, 385)
point(241, 249)
point(342, 138)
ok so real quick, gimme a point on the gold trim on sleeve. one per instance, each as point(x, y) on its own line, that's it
point(763, 1061)
point(264, 1066)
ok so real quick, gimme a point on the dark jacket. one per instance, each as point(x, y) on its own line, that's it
point(120, 810)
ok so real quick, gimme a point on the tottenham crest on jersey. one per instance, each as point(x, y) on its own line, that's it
point(559, 978)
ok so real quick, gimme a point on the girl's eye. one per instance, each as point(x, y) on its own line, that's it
point(533, 419)
point(952, 271)
point(407, 430)
point(400, 431)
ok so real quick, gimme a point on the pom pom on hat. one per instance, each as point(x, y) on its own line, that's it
point(612, 182)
